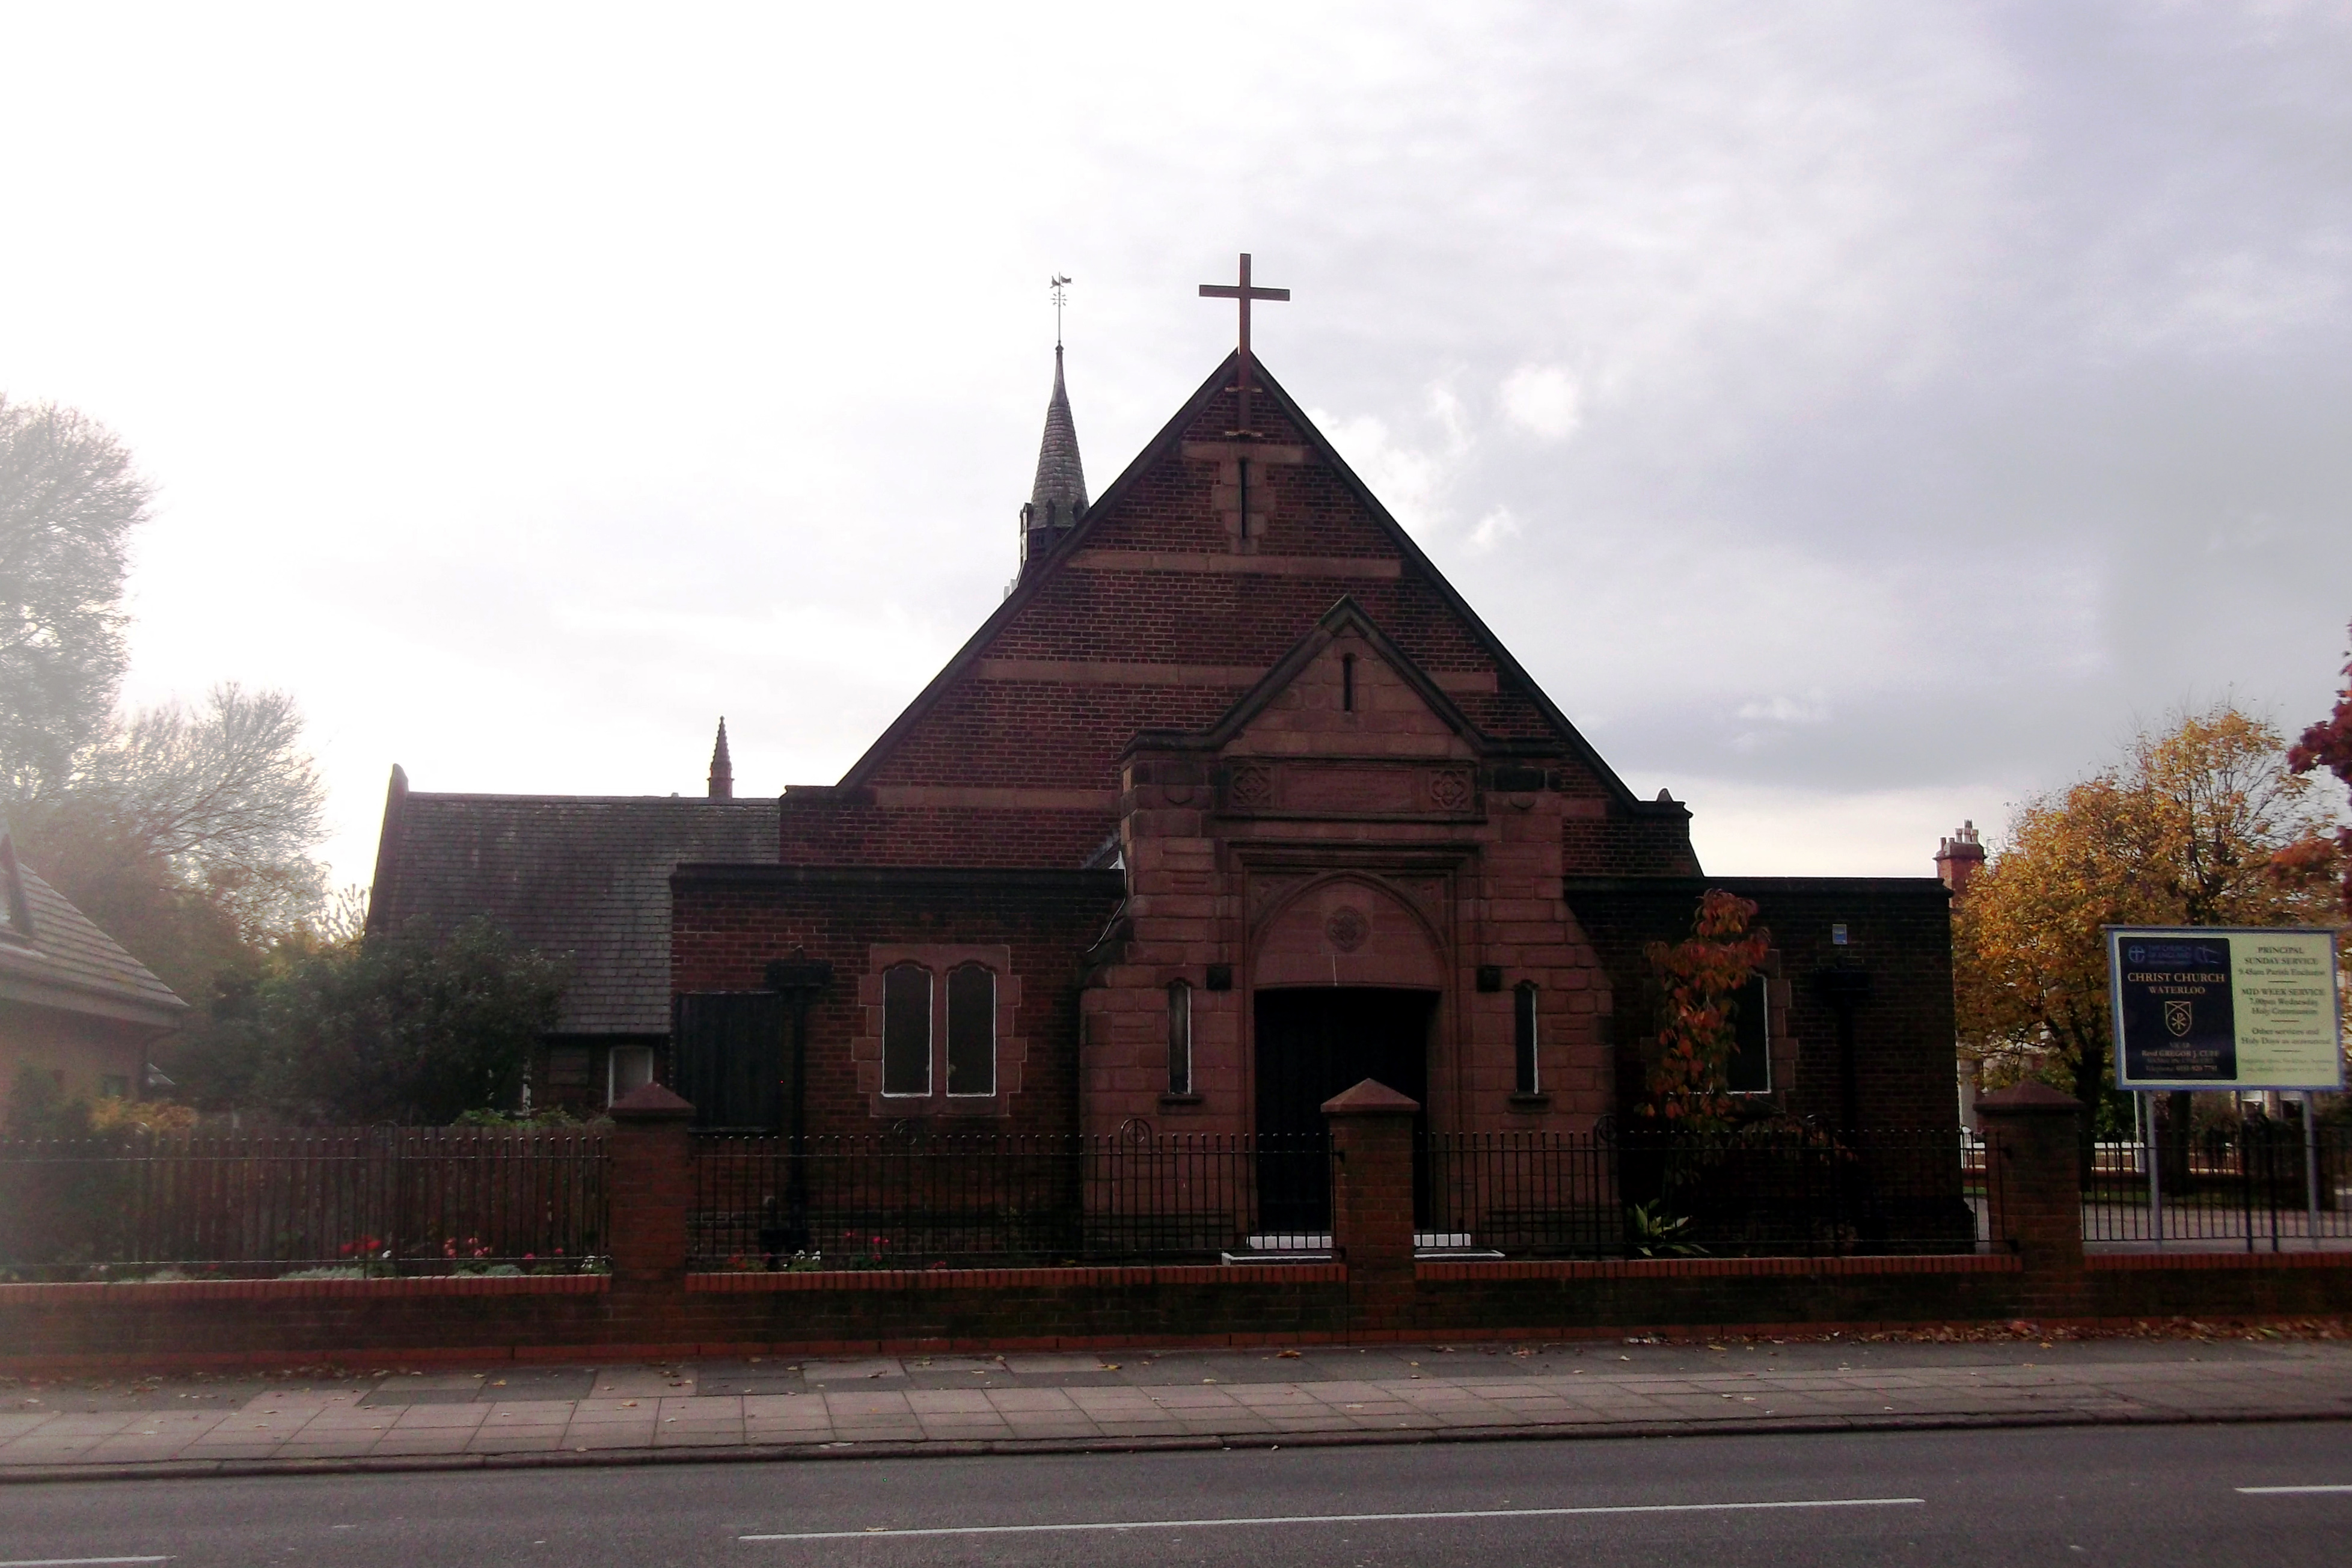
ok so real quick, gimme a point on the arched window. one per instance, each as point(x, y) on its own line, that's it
point(1179, 1038)
point(972, 1030)
point(906, 1030)
point(1523, 1036)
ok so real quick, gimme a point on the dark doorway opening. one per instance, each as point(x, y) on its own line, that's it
point(730, 1058)
point(1311, 1044)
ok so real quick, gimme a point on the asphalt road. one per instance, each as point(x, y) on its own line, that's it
point(2144, 1496)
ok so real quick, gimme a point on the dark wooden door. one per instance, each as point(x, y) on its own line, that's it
point(730, 1058)
point(1311, 1044)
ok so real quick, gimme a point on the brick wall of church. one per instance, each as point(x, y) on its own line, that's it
point(849, 827)
point(728, 923)
point(1162, 613)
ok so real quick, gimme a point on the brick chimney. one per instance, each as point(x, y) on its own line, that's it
point(722, 768)
point(1959, 857)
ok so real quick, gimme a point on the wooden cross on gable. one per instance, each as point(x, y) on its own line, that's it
point(1243, 292)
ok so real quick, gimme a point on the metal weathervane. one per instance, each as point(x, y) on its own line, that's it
point(1061, 286)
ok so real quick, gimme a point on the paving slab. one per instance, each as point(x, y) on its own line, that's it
point(770, 1406)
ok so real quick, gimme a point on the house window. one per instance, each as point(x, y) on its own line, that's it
point(972, 1030)
point(1179, 1038)
point(113, 1086)
point(627, 1068)
point(1749, 1069)
point(1523, 1038)
point(906, 1030)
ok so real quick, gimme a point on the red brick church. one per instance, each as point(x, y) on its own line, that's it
point(1232, 802)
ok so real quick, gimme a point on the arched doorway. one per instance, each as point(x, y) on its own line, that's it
point(1347, 979)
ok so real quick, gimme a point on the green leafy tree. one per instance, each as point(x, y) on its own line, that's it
point(401, 1027)
point(68, 500)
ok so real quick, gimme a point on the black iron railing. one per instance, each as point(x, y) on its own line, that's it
point(1608, 1195)
point(891, 1200)
point(2262, 1185)
point(368, 1201)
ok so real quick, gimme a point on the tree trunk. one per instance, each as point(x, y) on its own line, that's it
point(2090, 1074)
point(2172, 1144)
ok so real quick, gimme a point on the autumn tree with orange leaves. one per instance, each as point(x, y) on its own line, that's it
point(1700, 979)
point(2202, 825)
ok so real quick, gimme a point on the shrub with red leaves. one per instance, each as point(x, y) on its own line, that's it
point(2328, 745)
point(1700, 978)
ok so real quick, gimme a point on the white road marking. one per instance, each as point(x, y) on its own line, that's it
point(1345, 1519)
point(75, 1562)
point(2250, 1491)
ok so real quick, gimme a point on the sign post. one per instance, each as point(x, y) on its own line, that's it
point(2233, 1008)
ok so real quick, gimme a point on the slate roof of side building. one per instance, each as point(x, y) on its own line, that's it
point(583, 875)
point(52, 955)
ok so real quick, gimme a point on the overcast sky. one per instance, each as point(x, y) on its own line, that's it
point(1857, 415)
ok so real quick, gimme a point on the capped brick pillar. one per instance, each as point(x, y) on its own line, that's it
point(1372, 1202)
point(653, 1185)
point(2036, 1170)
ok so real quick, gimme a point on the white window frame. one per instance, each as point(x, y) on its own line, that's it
point(1180, 1022)
point(934, 998)
point(613, 1089)
point(946, 1033)
point(1764, 1007)
point(1527, 996)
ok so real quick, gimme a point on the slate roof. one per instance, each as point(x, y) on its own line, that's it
point(51, 954)
point(586, 876)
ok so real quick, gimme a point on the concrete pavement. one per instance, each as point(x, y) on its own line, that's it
point(763, 1408)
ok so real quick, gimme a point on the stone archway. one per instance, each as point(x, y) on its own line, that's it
point(1346, 929)
point(1346, 980)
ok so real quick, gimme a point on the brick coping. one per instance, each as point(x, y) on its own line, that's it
point(136, 1292)
point(144, 1292)
point(1714, 1267)
point(2105, 1260)
point(1113, 1278)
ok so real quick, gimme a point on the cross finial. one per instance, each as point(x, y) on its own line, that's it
point(1061, 286)
point(1243, 292)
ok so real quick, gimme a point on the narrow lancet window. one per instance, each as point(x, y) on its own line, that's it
point(1347, 683)
point(1179, 1038)
point(906, 1030)
point(1523, 1036)
point(972, 1030)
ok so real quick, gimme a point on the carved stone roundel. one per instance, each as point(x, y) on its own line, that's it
point(1346, 927)
point(1450, 789)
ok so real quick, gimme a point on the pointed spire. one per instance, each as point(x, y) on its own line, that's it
point(1058, 498)
point(722, 768)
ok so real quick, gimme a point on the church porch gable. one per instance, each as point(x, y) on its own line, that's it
point(1345, 829)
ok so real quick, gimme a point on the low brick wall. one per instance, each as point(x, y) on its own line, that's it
point(276, 1323)
point(651, 1308)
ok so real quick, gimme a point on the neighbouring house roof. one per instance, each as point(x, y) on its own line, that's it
point(582, 876)
point(51, 955)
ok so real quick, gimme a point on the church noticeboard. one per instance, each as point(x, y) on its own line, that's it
point(2224, 1007)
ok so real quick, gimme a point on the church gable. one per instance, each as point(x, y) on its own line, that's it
point(1349, 701)
point(1198, 570)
